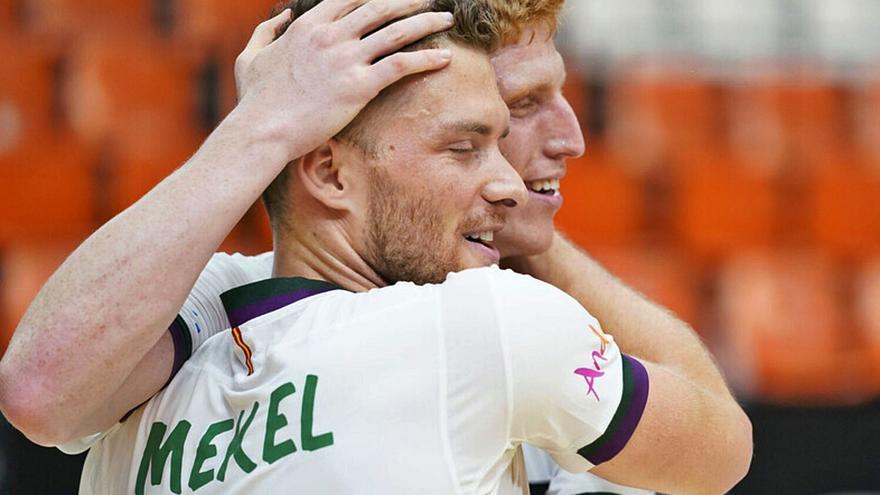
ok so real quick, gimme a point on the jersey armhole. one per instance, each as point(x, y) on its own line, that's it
point(182, 351)
point(182, 339)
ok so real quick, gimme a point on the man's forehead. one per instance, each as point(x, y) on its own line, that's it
point(466, 86)
point(528, 64)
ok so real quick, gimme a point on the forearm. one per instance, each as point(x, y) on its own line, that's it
point(689, 441)
point(640, 327)
point(111, 301)
point(692, 421)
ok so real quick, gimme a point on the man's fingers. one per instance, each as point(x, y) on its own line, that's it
point(332, 10)
point(377, 13)
point(406, 31)
point(399, 65)
point(266, 30)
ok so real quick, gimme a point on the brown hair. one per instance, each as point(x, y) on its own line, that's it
point(476, 26)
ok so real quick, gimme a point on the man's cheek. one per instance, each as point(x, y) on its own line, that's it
point(526, 233)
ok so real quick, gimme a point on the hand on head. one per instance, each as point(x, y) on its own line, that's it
point(331, 61)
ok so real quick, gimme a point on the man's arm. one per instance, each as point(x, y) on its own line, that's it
point(693, 435)
point(94, 342)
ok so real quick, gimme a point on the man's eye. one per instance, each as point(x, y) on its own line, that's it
point(522, 103)
point(462, 147)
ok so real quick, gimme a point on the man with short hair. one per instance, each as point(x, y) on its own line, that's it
point(678, 474)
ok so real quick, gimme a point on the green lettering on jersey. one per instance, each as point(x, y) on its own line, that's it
point(274, 422)
point(156, 455)
point(205, 451)
point(234, 450)
point(309, 441)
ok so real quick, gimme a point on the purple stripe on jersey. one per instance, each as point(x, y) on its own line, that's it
point(243, 314)
point(635, 397)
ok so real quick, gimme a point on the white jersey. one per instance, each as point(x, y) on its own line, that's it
point(405, 389)
point(543, 470)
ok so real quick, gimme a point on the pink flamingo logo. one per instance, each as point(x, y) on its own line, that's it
point(590, 375)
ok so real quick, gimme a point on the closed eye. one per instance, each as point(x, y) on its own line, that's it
point(462, 147)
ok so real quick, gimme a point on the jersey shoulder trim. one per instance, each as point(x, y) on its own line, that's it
point(250, 301)
point(623, 424)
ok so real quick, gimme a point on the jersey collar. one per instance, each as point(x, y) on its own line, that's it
point(249, 301)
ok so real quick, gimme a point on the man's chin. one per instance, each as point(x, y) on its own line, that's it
point(524, 239)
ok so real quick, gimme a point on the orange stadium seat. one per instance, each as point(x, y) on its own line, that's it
point(133, 88)
point(8, 15)
point(651, 115)
point(604, 203)
point(723, 205)
point(844, 203)
point(48, 191)
point(662, 275)
point(210, 20)
point(76, 17)
point(25, 268)
point(786, 334)
point(27, 88)
point(136, 167)
point(866, 112)
point(802, 115)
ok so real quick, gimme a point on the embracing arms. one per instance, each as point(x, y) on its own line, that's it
point(94, 342)
point(693, 437)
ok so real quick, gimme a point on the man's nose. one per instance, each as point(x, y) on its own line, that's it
point(506, 186)
point(567, 140)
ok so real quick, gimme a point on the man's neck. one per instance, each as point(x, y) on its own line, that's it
point(324, 255)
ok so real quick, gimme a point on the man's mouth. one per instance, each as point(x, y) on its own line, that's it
point(483, 238)
point(482, 243)
point(547, 187)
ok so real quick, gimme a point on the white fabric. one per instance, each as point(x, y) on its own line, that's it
point(566, 483)
point(425, 389)
point(203, 311)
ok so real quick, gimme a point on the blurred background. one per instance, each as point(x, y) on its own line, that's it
point(732, 174)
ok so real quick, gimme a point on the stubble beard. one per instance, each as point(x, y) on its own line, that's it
point(404, 235)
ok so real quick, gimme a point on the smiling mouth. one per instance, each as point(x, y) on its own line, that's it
point(544, 187)
point(483, 238)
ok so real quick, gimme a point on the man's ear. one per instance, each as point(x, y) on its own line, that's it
point(328, 174)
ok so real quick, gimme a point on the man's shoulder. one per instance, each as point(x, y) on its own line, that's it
point(501, 284)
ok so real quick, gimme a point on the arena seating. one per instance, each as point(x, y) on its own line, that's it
point(660, 274)
point(604, 202)
point(27, 88)
point(49, 191)
point(688, 171)
point(8, 16)
point(723, 205)
point(136, 166)
point(844, 195)
point(662, 112)
point(25, 268)
point(134, 87)
point(786, 334)
point(216, 21)
point(67, 18)
point(803, 113)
